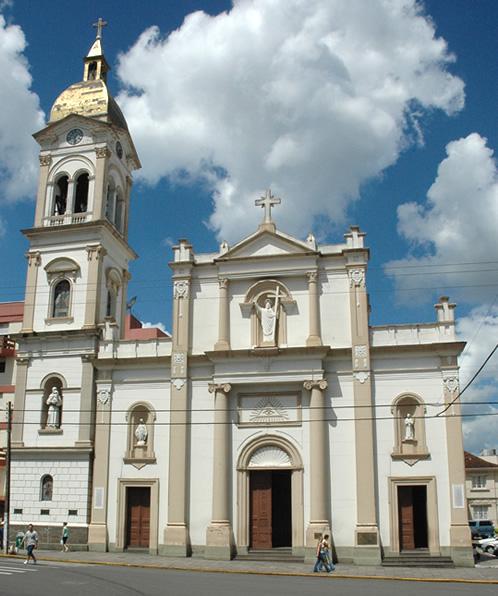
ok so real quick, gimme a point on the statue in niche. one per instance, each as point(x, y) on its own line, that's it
point(268, 316)
point(54, 403)
point(141, 433)
point(409, 428)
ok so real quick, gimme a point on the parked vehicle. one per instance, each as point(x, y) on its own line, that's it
point(482, 528)
point(488, 545)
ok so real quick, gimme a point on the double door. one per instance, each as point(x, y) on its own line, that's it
point(137, 517)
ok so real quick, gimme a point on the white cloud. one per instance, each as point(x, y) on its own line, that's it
point(20, 116)
point(453, 235)
point(157, 325)
point(310, 97)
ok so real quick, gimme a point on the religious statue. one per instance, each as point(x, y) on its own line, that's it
point(268, 316)
point(54, 403)
point(141, 433)
point(409, 425)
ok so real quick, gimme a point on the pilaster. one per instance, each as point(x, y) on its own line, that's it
point(223, 342)
point(100, 193)
point(314, 337)
point(319, 467)
point(176, 533)
point(22, 365)
point(34, 262)
point(367, 543)
point(98, 538)
point(219, 535)
point(460, 537)
point(95, 255)
point(85, 431)
point(41, 197)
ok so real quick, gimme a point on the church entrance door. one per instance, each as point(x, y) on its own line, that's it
point(412, 504)
point(137, 517)
point(270, 509)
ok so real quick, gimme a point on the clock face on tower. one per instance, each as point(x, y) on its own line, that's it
point(74, 136)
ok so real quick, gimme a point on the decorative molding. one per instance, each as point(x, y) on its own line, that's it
point(451, 384)
point(181, 288)
point(103, 396)
point(269, 410)
point(224, 387)
point(270, 456)
point(95, 252)
point(357, 277)
point(360, 352)
point(45, 160)
point(312, 276)
point(223, 283)
point(322, 384)
point(101, 152)
point(361, 376)
point(178, 383)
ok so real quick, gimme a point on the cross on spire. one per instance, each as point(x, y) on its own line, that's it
point(99, 25)
point(267, 202)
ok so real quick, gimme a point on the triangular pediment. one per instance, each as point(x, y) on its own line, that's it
point(264, 243)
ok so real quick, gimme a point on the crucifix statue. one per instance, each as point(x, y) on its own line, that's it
point(99, 25)
point(267, 202)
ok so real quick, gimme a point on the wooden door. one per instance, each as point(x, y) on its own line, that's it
point(260, 502)
point(138, 517)
point(406, 520)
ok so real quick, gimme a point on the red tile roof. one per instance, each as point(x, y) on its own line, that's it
point(135, 330)
point(11, 312)
point(472, 461)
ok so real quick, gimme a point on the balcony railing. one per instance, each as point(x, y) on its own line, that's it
point(66, 219)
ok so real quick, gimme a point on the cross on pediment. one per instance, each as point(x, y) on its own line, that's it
point(99, 25)
point(267, 202)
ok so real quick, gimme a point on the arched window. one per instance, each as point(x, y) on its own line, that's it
point(140, 448)
point(118, 216)
point(110, 309)
point(61, 299)
point(60, 196)
point(409, 428)
point(46, 488)
point(92, 71)
point(81, 196)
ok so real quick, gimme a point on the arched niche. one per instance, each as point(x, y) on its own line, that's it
point(46, 488)
point(113, 286)
point(256, 296)
point(140, 445)
point(408, 411)
point(51, 381)
point(61, 275)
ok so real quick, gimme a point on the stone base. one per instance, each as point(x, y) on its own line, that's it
point(97, 538)
point(313, 340)
point(367, 549)
point(314, 533)
point(50, 536)
point(461, 545)
point(176, 541)
point(219, 542)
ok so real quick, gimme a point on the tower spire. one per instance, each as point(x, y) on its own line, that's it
point(96, 66)
point(99, 25)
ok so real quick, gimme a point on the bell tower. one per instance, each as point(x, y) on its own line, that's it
point(79, 253)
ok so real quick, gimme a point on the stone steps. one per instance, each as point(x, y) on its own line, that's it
point(283, 555)
point(417, 560)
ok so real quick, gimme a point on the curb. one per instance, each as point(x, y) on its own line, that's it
point(453, 580)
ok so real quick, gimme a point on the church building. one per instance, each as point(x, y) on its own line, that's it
point(273, 413)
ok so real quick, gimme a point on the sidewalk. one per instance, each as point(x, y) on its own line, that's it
point(485, 572)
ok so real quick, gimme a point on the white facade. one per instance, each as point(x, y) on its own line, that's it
point(274, 413)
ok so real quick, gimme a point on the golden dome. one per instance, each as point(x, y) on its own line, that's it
point(89, 98)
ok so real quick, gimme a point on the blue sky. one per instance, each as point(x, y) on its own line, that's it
point(383, 125)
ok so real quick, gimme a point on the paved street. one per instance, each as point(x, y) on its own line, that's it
point(61, 579)
point(17, 579)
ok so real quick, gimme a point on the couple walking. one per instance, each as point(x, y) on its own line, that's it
point(323, 557)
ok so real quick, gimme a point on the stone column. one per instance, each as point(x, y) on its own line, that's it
point(100, 192)
point(19, 402)
point(219, 536)
point(176, 534)
point(34, 262)
point(85, 432)
point(314, 337)
point(95, 255)
point(223, 342)
point(97, 531)
point(460, 538)
point(367, 545)
point(319, 466)
point(41, 197)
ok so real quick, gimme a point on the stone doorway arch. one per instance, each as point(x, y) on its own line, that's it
point(269, 452)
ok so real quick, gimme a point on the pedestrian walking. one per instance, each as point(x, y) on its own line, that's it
point(64, 538)
point(30, 541)
point(323, 558)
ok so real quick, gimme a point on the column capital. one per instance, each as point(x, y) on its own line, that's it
point(101, 152)
point(22, 361)
point(181, 288)
point(223, 283)
point(357, 277)
point(312, 276)
point(221, 387)
point(322, 384)
point(96, 251)
point(45, 160)
point(34, 258)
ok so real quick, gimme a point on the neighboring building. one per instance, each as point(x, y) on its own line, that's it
point(481, 485)
point(11, 314)
point(273, 413)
